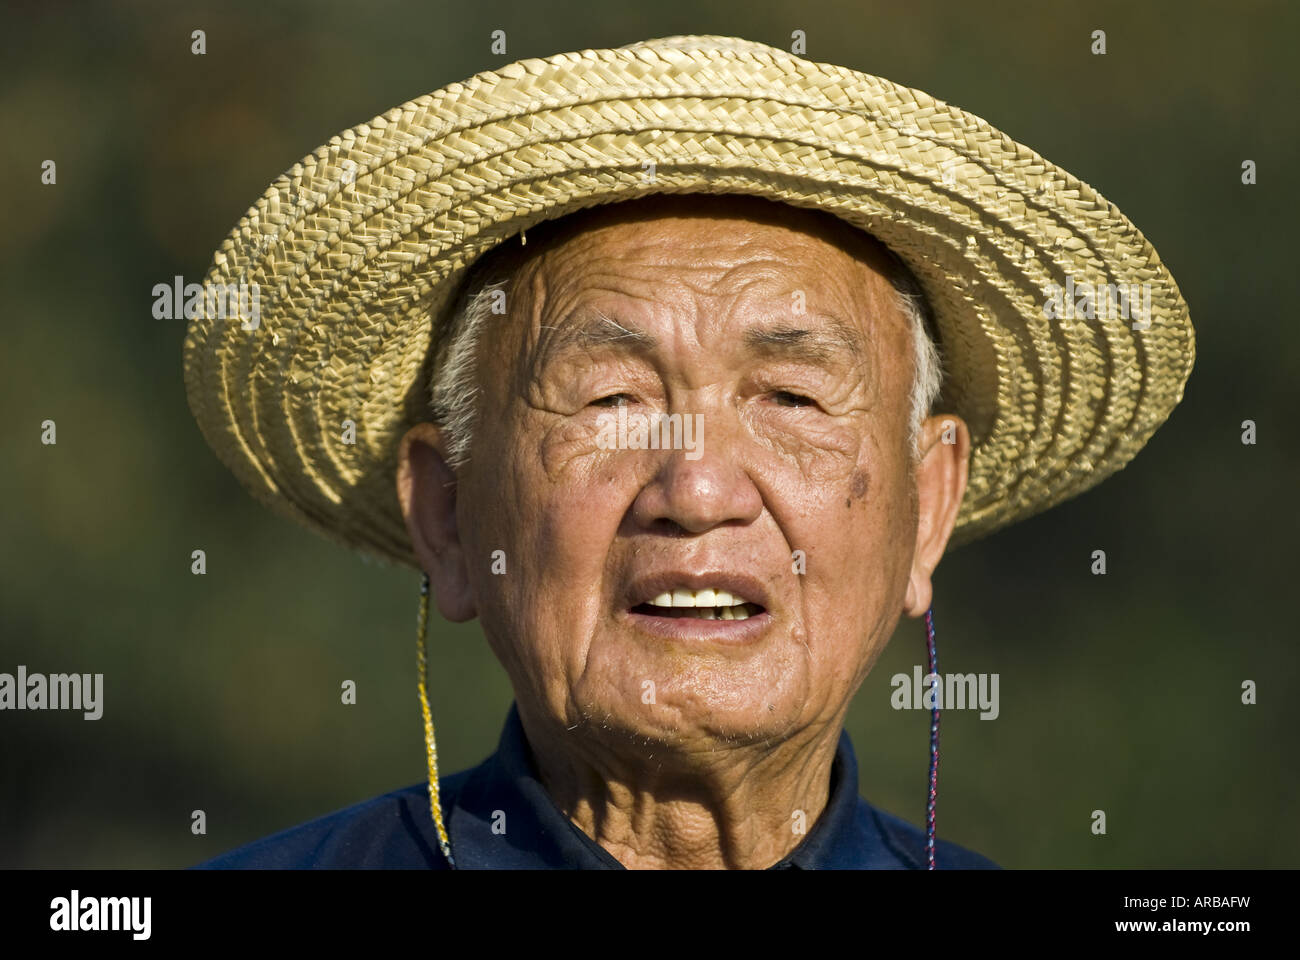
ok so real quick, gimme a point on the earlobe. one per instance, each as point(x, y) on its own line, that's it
point(941, 484)
point(427, 491)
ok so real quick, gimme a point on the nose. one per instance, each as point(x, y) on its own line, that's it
point(696, 495)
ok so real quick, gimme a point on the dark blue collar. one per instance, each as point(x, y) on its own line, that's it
point(500, 816)
point(532, 832)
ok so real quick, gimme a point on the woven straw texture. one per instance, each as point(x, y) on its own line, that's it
point(359, 247)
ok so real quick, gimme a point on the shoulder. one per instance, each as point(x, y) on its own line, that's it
point(394, 830)
point(908, 843)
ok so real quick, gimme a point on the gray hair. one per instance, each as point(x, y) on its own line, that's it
point(454, 392)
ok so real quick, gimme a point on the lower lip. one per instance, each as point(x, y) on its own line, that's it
point(736, 633)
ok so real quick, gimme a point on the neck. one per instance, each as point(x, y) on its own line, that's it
point(661, 806)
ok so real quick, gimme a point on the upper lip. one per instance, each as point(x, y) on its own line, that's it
point(646, 587)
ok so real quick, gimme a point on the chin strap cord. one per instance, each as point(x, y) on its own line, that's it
point(933, 797)
point(431, 748)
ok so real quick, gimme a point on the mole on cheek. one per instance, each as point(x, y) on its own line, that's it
point(860, 484)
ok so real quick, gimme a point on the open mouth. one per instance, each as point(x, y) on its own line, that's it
point(704, 604)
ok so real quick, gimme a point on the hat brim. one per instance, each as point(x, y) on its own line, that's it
point(357, 250)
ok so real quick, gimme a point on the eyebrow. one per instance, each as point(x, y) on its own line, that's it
point(597, 330)
point(817, 345)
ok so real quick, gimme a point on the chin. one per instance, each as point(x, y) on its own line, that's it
point(692, 717)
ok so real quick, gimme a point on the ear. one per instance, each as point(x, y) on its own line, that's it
point(940, 485)
point(426, 487)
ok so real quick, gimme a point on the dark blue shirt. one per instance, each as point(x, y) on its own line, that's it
point(397, 831)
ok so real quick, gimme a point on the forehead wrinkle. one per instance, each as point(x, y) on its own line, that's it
point(585, 327)
point(637, 269)
point(576, 270)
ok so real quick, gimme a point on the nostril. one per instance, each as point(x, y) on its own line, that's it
point(665, 527)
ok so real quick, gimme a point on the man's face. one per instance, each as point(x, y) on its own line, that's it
point(785, 343)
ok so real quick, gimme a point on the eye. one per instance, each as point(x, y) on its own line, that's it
point(613, 400)
point(785, 398)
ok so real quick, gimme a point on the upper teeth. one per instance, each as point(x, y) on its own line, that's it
point(697, 598)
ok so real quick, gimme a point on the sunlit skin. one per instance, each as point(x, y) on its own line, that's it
point(683, 743)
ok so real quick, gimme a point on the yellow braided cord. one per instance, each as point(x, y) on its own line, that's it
point(430, 746)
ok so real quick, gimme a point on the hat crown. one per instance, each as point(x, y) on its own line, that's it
point(707, 42)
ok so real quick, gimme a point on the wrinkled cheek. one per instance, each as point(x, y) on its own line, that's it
point(889, 533)
point(818, 459)
point(557, 535)
point(857, 572)
point(569, 451)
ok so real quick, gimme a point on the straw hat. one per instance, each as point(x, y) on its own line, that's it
point(358, 249)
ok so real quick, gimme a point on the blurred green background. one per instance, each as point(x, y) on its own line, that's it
point(1119, 693)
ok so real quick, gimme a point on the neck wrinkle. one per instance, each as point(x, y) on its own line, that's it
point(737, 816)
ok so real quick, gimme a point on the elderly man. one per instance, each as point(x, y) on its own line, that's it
point(685, 605)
